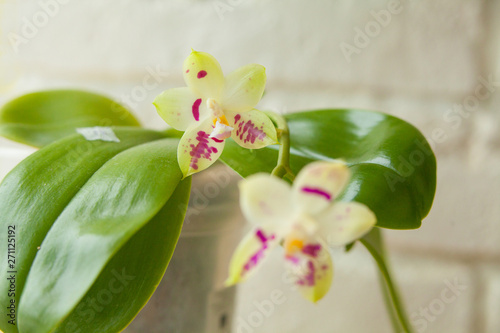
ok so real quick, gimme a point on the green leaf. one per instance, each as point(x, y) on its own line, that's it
point(40, 118)
point(131, 277)
point(393, 168)
point(115, 203)
point(35, 193)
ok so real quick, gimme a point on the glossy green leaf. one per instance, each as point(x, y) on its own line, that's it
point(393, 168)
point(131, 277)
point(115, 203)
point(35, 193)
point(40, 118)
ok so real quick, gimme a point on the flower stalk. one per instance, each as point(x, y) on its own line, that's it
point(282, 169)
point(394, 304)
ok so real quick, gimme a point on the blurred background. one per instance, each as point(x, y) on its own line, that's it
point(435, 64)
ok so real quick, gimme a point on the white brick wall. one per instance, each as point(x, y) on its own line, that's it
point(427, 59)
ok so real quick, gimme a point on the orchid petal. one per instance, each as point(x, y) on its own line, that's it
point(318, 184)
point(180, 108)
point(250, 253)
point(253, 129)
point(345, 222)
point(311, 269)
point(266, 200)
point(197, 151)
point(203, 75)
point(244, 88)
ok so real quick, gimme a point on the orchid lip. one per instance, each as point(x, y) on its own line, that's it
point(221, 131)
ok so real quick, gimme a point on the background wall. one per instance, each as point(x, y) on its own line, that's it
point(433, 63)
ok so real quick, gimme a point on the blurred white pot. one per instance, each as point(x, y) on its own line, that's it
point(191, 297)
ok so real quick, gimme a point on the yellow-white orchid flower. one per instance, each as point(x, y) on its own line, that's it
point(305, 219)
point(213, 108)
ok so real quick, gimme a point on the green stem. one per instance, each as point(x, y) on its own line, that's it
point(396, 326)
point(393, 294)
point(282, 169)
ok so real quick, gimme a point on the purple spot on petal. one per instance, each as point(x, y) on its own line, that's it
point(260, 235)
point(217, 140)
point(293, 259)
point(311, 250)
point(202, 74)
point(308, 279)
point(317, 191)
point(201, 150)
point(196, 109)
point(187, 71)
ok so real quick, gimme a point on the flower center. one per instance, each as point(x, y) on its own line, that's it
point(213, 106)
point(293, 245)
point(222, 119)
point(221, 130)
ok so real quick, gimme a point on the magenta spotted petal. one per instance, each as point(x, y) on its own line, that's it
point(253, 130)
point(197, 151)
point(250, 254)
point(180, 107)
point(312, 270)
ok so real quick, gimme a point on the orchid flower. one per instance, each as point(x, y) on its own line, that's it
point(305, 219)
point(213, 108)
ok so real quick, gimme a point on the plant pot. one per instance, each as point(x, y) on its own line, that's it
point(192, 297)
